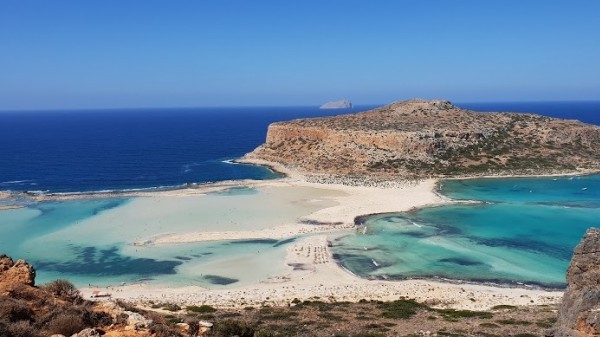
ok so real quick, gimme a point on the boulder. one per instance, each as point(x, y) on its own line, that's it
point(136, 320)
point(89, 332)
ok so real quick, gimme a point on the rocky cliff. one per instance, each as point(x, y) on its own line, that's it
point(431, 138)
point(579, 312)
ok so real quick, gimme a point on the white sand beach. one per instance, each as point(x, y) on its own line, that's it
point(308, 271)
point(313, 275)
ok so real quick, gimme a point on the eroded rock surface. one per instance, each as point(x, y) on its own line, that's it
point(579, 313)
point(19, 272)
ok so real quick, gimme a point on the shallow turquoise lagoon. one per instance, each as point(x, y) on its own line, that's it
point(524, 232)
point(82, 241)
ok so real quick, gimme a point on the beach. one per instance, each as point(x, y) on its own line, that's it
point(313, 275)
point(308, 271)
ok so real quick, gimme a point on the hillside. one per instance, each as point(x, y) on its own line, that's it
point(431, 138)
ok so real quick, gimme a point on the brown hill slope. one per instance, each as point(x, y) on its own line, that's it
point(420, 138)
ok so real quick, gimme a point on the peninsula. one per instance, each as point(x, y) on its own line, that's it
point(418, 139)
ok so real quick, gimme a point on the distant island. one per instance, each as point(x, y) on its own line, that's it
point(343, 104)
point(431, 138)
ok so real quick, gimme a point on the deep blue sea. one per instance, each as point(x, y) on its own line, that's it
point(92, 150)
point(524, 232)
point(69, 151)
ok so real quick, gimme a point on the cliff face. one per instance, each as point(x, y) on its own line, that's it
point(579, 313)
point(419, 138)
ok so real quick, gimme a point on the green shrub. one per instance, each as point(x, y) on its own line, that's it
point(12, 310)
point(65, 290)
point(369, 334)
point(203, 309)
point(512, 321)
point(229, 328)
point(451, 314)
point(96, 318)
point(162, 330)
point(22, 329)
point(171, 307)
point(402, 309)
point(194, 328)
point(279, 315)
point(65, 324)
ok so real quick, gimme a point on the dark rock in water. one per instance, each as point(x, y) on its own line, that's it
point(579, 313)
point(460, 261)
point(220, 280)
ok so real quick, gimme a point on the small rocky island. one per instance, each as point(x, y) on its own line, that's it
point(343, 104)
point(431, 138)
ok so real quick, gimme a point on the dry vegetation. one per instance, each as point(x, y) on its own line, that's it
point(56, 308)
point(403, 317)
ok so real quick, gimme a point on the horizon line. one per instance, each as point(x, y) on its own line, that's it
point(71, 109)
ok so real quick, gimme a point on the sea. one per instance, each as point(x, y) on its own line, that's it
point(519, 231)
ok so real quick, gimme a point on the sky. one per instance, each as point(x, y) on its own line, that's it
point(145, 53)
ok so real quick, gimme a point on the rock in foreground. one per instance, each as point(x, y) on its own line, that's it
point(419, 138)
point(19, 272)
point(579, 313)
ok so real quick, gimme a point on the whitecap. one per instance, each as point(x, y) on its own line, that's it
point(16, 181)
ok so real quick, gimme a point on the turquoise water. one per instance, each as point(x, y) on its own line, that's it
point(524, 232)
point(80, 241)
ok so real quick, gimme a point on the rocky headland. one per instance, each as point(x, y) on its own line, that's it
point(417, 139)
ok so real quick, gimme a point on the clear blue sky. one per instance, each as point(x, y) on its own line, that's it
point(116, 53)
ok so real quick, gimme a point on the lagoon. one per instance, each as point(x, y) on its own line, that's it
point(521, 231)
point(92, 241)
point(503, 231)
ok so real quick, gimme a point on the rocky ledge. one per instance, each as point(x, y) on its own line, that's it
point(431, 138)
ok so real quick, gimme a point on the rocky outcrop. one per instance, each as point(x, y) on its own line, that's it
point(19, 272)
point(344, 104)
point(419, 138)
point(579, 312)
